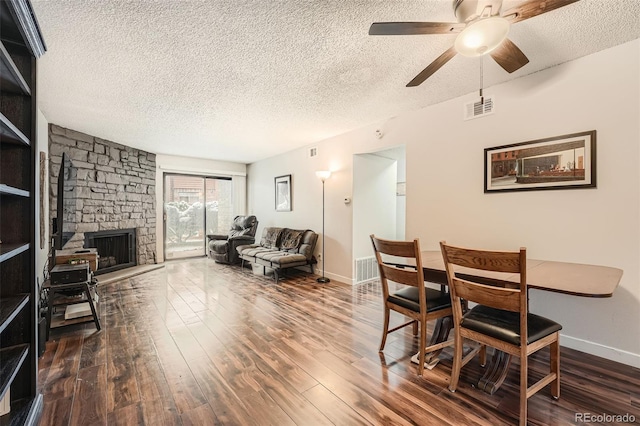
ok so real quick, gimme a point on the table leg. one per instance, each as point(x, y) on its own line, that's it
point(495, 372)
point(440, 334)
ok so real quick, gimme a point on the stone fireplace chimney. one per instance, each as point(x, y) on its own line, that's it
point(112, 187)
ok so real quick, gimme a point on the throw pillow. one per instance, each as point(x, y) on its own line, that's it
point(270, 237)
point(291, 239)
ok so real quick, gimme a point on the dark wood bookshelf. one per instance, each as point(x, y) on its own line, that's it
point(10, 133)
point(12, 81)
point(12, 359)
point(9, 308)
point(9, 190)
point(21, 44)
point(7, 250)
point(22, 412)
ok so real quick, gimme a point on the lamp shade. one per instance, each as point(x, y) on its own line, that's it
point(482, 36)
point(323, 174)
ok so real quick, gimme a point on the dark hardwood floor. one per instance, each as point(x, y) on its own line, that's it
point(198, 343)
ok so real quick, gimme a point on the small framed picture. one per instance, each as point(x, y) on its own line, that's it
point(283, 193)
point(560, 162)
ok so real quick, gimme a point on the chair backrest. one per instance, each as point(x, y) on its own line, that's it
point(307, 244)
point(477, 290)
point(244, 225)
point(405, 252)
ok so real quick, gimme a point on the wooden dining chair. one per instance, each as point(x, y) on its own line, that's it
point(501, 319)
point(415, 301)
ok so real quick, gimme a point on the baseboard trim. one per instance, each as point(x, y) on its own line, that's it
point(613, 354)
point(335, 277)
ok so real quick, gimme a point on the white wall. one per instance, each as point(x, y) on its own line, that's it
point(401, 200)
point(189, 165)
point(374, 201)
point(595, 226)
point(334, 154)
point(401, 214)
point(445, 198)
point(42, 143)
point(399, 154)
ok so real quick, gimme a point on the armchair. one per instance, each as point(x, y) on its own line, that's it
point(222, 248)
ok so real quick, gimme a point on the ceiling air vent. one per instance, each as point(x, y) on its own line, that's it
point(478, 109)
point(313, 152)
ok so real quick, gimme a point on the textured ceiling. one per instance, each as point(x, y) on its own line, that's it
point(243, 80)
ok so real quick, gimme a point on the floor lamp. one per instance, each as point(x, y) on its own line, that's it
point(323, 175)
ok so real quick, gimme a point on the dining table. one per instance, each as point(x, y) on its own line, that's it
point(575, 279)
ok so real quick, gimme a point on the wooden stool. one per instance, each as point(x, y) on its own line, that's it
point(57, 297)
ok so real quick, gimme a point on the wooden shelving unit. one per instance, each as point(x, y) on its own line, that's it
point(57, 300)
point(20, 44)
point(10, 308)
point(12, 80)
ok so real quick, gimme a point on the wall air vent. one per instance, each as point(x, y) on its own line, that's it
point(476, 109)
point(366, 269)
point(313, 152)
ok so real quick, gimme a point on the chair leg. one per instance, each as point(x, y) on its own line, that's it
point(554, 348)
point(386, 327)
point(415, 328)
point(423, 344)
point(524, 370)
point(457, 361)
point(483, 355)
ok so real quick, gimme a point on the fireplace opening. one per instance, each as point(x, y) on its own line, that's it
point(116, 248)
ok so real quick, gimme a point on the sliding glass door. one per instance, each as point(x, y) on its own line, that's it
point(219, 215)
point(194, 206)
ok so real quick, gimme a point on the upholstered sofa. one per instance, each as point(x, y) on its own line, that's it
point(280, 249)
point(222, 248)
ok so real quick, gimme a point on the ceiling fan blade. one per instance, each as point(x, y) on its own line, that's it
point(534, 8)
point(433, 67)
point(411, 28)
point(509, 56)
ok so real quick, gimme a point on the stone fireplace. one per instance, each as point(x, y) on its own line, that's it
point(112, 192)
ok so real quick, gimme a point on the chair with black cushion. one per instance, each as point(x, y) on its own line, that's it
point(501, 318)
point(417, 302)
point(222, 248)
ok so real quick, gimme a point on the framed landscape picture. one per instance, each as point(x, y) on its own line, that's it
point(560, 162)
point(283, 193)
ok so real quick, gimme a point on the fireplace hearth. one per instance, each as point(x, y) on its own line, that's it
point(116, 248)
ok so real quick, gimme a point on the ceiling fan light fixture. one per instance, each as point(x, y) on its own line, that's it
point(482, 36)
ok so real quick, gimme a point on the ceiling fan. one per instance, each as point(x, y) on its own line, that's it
point(482, 29)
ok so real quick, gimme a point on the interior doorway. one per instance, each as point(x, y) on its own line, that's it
point(194, 206)
point(379, 200)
